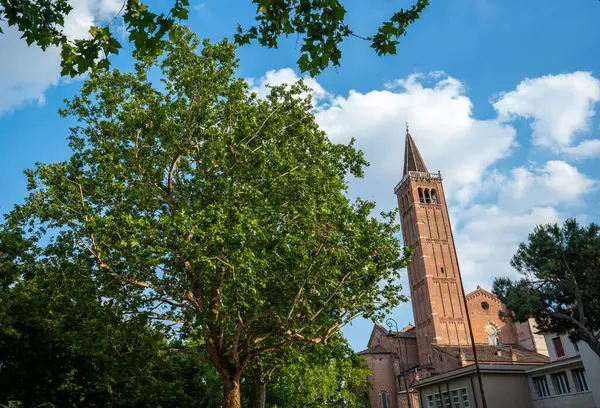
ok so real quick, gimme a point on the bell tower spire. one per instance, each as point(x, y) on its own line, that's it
point(433, 274)
point(412, 157)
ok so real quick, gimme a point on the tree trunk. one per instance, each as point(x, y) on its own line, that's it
point(260, 388)
point(231, 391)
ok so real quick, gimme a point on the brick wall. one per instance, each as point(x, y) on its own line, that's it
point(383, 379)
point(482, 318)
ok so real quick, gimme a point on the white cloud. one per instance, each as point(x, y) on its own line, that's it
point(585, 149)
point(285, 76)
point(554, 184)
point(27, 72)
point(440, 118)
point(559, 106)
point(490, 235)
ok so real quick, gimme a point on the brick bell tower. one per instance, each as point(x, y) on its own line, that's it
point(433, 275)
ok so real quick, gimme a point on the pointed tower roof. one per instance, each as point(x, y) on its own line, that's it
point(412, 158)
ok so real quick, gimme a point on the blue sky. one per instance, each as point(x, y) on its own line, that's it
point(500, 96)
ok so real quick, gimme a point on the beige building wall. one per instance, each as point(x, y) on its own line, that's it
point(568, 346)
point(465, 382)
point(576, 397)
point(591, 363)
point(502, 390)
point(529, 338)
point(507, 390)
point(584, 400)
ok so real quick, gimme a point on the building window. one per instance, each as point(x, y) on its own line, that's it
point(576, 347)
point(453, 399)
point(434, 401)
point(384, 399)
point(434, 196)
point(581, 380)
point(427, 196)
point(558, 347)
point(429, 358)
point(485, 305)
point(561, 383)
point(492, 336)
point(541, 385)
point(442, 270)
point(421, 199)
point(447, 403)
point(465, 398)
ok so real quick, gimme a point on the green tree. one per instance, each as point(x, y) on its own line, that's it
point(311, 376)
point(320, 23)
point(222, 213)
point(62, 344)
point(561, 283)
point(321, 377)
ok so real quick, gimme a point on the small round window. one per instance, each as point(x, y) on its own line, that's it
point(485, 305)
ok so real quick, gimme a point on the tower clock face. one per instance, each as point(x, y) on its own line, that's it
point(491, 331)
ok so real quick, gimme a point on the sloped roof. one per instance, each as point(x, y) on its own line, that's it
point(408, 328)
point(481, 291)
point(405, 335)
point(378, 349)
point(412, 157)
point(488, 354)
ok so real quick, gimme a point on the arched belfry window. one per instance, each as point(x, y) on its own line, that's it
point(421, 199)
point(434, 196)
point(427, 196)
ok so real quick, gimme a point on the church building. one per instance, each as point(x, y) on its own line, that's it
point(440, 340)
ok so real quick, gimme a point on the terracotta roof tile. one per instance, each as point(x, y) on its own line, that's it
point(489, 354)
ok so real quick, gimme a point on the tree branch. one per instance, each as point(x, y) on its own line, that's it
point(575, 289)
point(170, 176)
point(576, 322)
point(238, 332)
point(297, 297)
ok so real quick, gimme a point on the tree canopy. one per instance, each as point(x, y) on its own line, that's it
point(64, 344)
point(218, 215)
point(326, 377)
point(560, 287)
point(320, 23)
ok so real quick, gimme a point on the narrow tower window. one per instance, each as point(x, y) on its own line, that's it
point(427, 196)
point(434, 196)
point(384, 399)
point(442, 270)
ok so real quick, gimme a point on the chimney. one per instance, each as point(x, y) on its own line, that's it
point(462, 358)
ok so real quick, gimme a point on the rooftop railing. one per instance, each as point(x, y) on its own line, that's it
point(417, 175)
